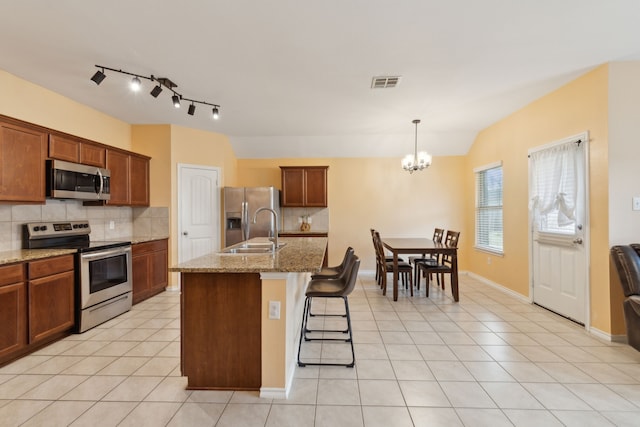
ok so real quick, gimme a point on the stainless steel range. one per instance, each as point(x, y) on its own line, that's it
point(103, 269)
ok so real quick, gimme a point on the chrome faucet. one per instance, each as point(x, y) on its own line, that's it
point(275, 224)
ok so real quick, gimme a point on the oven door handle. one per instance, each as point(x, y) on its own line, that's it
point(106, 253)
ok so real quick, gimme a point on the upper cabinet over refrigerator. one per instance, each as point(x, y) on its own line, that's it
point(240, 205)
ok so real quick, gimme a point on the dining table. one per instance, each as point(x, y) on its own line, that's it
point(425, 246)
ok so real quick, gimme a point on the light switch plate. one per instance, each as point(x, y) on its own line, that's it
point(274, 310)
point(636, 203)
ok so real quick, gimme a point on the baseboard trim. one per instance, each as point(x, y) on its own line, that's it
point(498, 286)
point(273, 393)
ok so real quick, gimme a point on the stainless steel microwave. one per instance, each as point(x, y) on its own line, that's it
point(66, 180)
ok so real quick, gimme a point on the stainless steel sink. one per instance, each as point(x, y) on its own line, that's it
point(251, 248)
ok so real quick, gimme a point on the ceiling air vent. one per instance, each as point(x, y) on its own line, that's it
point(383, 82)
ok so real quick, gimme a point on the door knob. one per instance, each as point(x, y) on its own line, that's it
point(578, 241)
point(185, 233)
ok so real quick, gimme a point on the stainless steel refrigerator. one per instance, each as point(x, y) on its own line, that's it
point(240, 205)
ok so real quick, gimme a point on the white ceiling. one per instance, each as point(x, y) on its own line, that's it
point(293, 76)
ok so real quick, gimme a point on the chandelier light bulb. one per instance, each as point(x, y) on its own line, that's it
point(136, 84)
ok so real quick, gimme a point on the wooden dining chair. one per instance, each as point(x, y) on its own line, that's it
point(443, 266)
point(378, 260)
point(404, 269)
point(438, 233)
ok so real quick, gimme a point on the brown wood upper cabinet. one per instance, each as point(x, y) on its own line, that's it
point(23, 151)
point(76, 150)
point(304, 186)
point(63, 148)
point(118, 165)
point(139, 180)
point(93, 155)
point(129, 178)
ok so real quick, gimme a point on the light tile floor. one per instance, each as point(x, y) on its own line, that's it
point(489, 360)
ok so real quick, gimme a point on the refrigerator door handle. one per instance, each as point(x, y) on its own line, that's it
point(245, 221)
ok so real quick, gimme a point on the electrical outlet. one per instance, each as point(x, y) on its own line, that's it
point(274, 310)
point(636, 203)
point(112, 225)
point(489, 260)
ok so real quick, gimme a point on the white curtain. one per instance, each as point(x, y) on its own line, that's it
point(554, 186)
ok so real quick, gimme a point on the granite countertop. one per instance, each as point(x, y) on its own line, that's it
point(22, 255)
point(310, 232)
point(300, 254)
point(144, 239)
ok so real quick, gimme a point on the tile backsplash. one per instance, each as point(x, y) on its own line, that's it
point(107, 222)
point(319, 218)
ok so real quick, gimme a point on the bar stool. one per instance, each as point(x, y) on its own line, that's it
point(333, 272)
point(339, 287)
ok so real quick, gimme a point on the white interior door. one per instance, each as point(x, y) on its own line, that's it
point(198, 211)
point(559, 232)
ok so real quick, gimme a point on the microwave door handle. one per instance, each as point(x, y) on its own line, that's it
point(101, 183)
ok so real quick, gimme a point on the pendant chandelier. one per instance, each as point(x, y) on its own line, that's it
point(416, 161)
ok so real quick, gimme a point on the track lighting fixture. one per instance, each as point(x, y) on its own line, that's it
point(136, 84)
point(157, 90)
point(98, 77)
point(162, 82)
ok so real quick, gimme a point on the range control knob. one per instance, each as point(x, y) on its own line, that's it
point(36, 228)
point(86, 225)
point(43, 228)
point(75, 225)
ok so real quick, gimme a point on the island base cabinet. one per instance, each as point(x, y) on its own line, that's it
point(221, 330)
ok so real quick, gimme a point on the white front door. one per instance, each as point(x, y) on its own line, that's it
point(559, 230)
point(198, 211)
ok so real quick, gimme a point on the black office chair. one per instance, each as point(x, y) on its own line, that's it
point(339, 287)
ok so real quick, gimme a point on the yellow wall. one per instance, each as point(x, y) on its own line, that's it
point(35, 104)
point(366, 193)
point(576, 107)
point(155, 141)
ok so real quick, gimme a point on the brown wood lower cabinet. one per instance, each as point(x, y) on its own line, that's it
point(51, 297)
point(13, 310)
point(37, 304)
point(221, 330)
point(150, 269)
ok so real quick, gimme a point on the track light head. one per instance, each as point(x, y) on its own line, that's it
point(216, 113)
point(136, 84)
point(176, 101)
point(98, 77)
point(157, 90)
point(192, 109)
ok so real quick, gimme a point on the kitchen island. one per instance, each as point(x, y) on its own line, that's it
point(241, 314)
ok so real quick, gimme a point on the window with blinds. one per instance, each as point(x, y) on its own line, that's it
point(489, 234)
